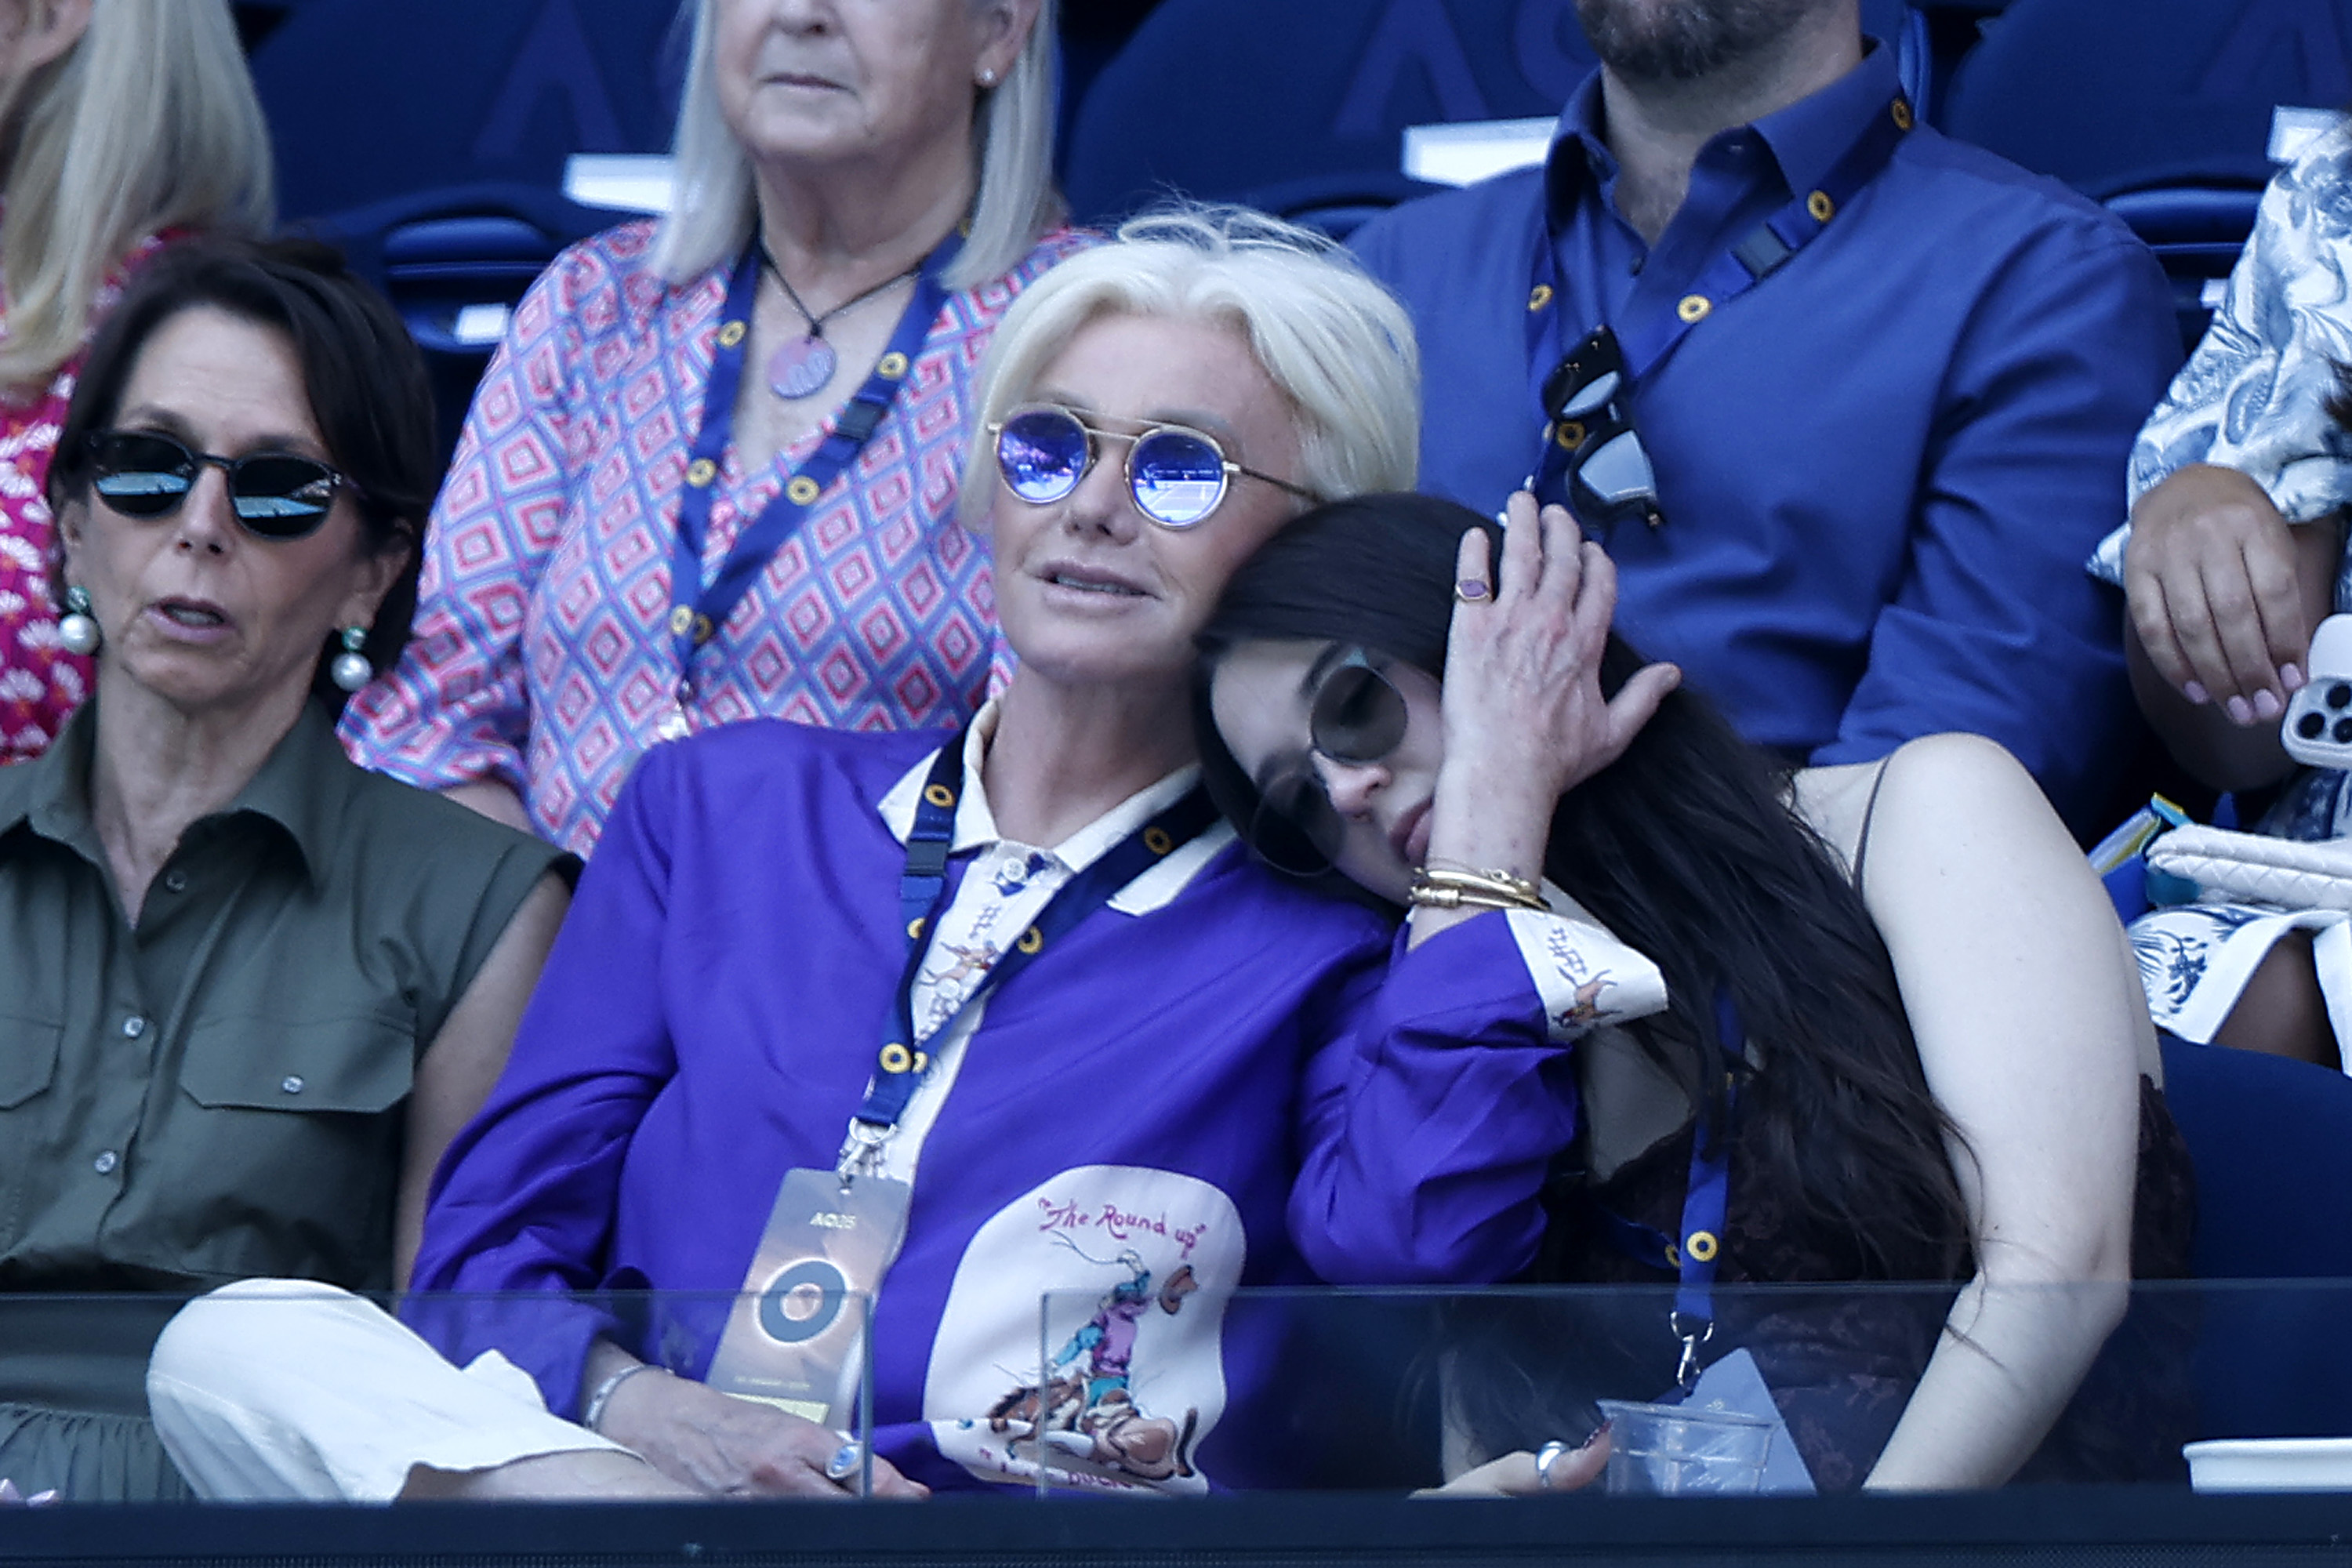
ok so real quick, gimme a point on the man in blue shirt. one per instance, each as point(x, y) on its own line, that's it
point(1880, 464)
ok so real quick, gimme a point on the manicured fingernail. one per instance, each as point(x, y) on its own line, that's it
point(2291, 678)
point(2267, 705)
point(2195, 691)
point(2239, 710)
point(1597, 1433)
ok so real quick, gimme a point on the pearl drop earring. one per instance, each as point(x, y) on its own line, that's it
point(351, 669)
point(79, 629)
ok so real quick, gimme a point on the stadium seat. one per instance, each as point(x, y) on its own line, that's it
point(2271, 1142)
point(2161, 108)
point(2114, 96)
point(458, 93)
point(1299, 105)
point(439, 168)
point(455, 262)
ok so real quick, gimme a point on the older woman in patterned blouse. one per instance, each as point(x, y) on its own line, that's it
point(709, 475)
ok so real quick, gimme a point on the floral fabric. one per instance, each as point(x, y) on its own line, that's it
point(40, 683)
point(2255, 397)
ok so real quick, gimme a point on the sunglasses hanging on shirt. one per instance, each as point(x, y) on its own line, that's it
point(1607, 476)
point(1592, 458)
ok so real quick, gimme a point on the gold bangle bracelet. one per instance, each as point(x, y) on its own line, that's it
point(1500, 890)
point(1428, 896)
point(1497, 881)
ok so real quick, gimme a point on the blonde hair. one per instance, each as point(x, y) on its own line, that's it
point(148, 123)
point(1334, 342)
point(713, 206)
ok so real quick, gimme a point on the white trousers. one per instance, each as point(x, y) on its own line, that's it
point(287, 1390)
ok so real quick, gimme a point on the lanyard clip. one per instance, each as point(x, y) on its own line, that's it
point(1693, 1331)
point(861, 1152)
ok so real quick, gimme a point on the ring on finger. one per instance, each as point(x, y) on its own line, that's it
point(1473, 590)
point(1546, 1458)
point(845, 1462)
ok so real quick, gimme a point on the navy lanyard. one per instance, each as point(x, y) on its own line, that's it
point(697, 612)
point(1697, 1255)
point(923, 888)
point(1645, 343)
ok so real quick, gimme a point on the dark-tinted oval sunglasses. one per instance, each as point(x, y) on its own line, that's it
point(1358, 716)
point(274, 495)
point(1609, 475)
point(1177, 475)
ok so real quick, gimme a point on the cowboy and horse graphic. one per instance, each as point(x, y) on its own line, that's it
point(1086, 1407)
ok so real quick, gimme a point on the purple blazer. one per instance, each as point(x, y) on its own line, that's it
point(1222, 1084)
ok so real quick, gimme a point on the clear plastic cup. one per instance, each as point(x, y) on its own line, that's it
point(1675, 1449)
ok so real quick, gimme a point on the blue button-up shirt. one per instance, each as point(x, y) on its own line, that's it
point(1881, 468)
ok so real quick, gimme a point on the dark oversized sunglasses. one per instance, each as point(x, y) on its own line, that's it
point(1177, 475)
point(1609, 475)
point(1358, 716)
point(274, 495)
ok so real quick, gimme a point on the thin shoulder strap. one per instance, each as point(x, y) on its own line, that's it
point(1869, 814)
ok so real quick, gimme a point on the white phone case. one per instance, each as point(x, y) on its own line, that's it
point(2317, 726)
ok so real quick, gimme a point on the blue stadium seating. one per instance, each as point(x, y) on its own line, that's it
point(439, 166)
point(369, 101)
point(2272, 1140)
point(2126, 95)
point(453, 261)
point(2161, 108)
point(1298, 105)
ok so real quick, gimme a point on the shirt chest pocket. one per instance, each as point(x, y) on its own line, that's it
point(362, 1065)
point(290, 1157)
point(28, 1056)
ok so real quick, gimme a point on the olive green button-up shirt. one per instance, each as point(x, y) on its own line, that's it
point(220, 1092)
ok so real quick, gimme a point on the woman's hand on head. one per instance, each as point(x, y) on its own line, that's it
point(2211, 580)
point(1524, 708)
point(734, 1447)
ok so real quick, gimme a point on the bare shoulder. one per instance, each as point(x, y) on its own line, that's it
point(1833, 802)
point(1955, 774)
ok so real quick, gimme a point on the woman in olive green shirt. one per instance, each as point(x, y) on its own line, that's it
point(247, 992)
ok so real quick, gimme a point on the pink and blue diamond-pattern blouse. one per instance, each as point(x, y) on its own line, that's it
point(541, 657)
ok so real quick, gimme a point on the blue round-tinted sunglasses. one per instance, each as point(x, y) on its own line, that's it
point(1178, 475)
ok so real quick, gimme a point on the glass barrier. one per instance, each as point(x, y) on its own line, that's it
point(289, 1391)
point(1146, 1381)
point(1780, 1390)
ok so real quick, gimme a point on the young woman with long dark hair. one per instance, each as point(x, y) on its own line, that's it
point(1896, 998)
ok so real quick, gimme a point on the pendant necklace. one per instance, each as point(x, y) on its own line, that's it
point(804, 366)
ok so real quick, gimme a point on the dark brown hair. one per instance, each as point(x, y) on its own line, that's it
point(365, 379)
point(1686, 850)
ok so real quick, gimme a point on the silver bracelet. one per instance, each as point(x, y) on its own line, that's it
point(594, 1417)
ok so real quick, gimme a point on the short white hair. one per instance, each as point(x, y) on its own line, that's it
point(1334, 341)
point(713, 204)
